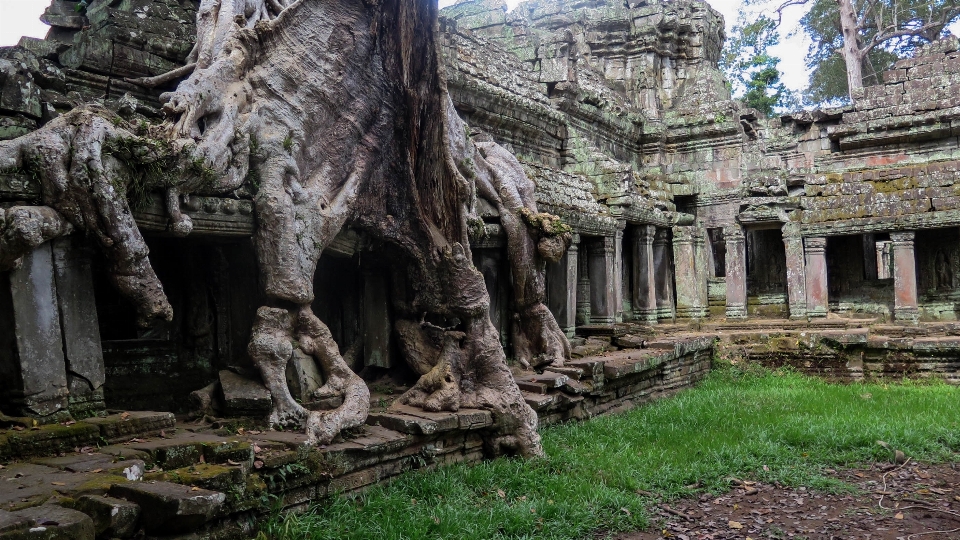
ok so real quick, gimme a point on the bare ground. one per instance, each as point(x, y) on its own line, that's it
point(913, 501)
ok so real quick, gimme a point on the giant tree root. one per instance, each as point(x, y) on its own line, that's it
point(271, 347)
point(315, 339)
point(533, 239)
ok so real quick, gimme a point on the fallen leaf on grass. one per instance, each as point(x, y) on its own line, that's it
point(501, 493)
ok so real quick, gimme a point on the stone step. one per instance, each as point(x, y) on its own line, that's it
point(414, 425)
point(12, 523)
point(46, 440)
point(375, 440)
point(548, 379)
point(167, 508)
point(58, 523)
point(532, 387)
point(212, 476)
point(572, 372)
point(591, 368)
point(577, 388)
point(622, 365)
point(538, 402)
point(24, 484)
point(127, 425)
point(611, 330)
point(244, 397)
point(112, 518)
point(183, 449)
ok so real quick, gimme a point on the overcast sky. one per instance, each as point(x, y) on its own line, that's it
point(22, 18)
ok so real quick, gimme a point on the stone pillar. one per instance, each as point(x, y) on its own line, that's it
point(796, 288)
point(33, 369)
point(562, 289)
point(81, 330)
point(815, 269)
point(618, 274)
point(644, 278)
point(603, 281)
point(583, 284)
point(736, 271)
point(904, 276)
point(700, 259)
point(690, 300)
point(663, 271)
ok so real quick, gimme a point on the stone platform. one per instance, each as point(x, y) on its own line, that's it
point(143, 472)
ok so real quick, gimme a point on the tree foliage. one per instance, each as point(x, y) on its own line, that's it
point(753, 72)
point(883, 31)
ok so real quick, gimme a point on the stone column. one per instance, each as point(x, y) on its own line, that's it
point(702, 267)
point(603, 281)
point(644, 278)
point(81, 330)
point(33, 368)
point(583, 284)
point(562, 289)
point(815, 269)
point(690, 304)
point(796, 288)
point(663, 271)
point(904, 276)
point(736, 271)
point(618, 274)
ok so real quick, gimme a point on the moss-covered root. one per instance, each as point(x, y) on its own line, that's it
point(23, 228)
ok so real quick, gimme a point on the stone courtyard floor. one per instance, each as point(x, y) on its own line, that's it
point(894, 502)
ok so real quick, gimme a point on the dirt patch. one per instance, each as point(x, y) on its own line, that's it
point(904, 502)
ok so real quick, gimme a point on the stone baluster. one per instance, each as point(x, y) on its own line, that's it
point(736, 271)
point(644, 277)
point(583, 284)
point(796, 277)
point(562, 288)
point(80, 328)
point(618, 273)
point(904, 276)
point(32, 365)
point(691, 302)
point(603, 281)
point(815, 269)
point(663, 270)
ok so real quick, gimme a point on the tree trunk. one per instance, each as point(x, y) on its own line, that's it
point(339, 108)
point(852, 57)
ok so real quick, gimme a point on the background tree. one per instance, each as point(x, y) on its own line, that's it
point(853, 40)
point(753, 72)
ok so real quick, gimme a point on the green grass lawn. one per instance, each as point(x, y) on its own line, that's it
point(771, 426)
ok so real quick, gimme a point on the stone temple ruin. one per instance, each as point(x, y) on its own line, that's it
point(829, 240)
